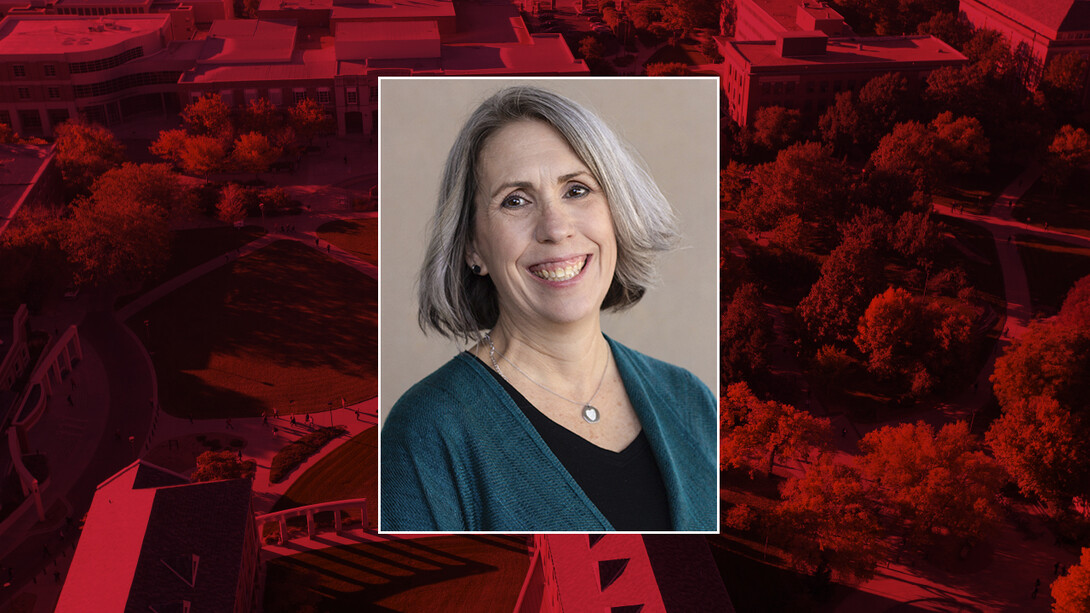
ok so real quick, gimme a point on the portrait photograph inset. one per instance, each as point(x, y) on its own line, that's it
point(549, 309)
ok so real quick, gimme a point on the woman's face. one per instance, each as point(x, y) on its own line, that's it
point(543, 228)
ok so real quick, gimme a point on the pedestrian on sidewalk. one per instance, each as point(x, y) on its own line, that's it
point(293, 419)
point(276, 413)
point(357, 414)
point(275, 431)
point(264, 419)
point(316, 241)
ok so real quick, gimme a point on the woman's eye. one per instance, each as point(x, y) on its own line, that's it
point(513, 202)
point(578, 191)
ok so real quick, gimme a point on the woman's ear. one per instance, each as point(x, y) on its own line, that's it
point(474, 261)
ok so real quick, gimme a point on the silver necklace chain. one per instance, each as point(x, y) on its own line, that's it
point(590, 413)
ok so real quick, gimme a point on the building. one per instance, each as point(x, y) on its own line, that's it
point(14, 353)
point(766, 19)
point(153, 541)
point(622, 573)
point(1038, 31)
point(806, 70)
point(29, 177)
point(284, 60)
point(55, 67)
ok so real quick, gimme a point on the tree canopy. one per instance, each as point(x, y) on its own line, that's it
point(1072, 591)
point(937, 480)
point(85, 151)
point(755, 431)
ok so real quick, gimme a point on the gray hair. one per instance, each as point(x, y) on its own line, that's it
point(456, 302)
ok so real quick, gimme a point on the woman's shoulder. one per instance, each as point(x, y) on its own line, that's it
point(655, 370)
point(440, 400)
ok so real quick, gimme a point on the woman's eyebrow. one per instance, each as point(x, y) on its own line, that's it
point(528, 185)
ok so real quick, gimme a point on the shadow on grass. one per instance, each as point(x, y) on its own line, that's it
point(286, 327)
point(1052, 268)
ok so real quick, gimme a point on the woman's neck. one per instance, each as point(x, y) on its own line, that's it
point(567, 357)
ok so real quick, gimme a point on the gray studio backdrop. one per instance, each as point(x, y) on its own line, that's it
point(673, 123)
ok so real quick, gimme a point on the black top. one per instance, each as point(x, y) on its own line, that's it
point(626, 486)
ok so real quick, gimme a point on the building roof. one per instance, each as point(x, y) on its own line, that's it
point(545, 54)
point(386, 10)
point(193, 547)
point(1047, 16)
point(246, 41)
point(79, 3)
point(852, 51)
point(785, 12)
point(141, 543)
point(305, 64)
point(55, 34)
point(20, 167)
point(366, 31)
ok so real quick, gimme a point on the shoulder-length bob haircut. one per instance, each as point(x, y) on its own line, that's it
point(456, 302)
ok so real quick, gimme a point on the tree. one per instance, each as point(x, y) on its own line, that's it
point(210, 116)
point(755, 431)
point(1063, 83)
point(947, 27)
point(1072, 591)
point(1044, 447)
point(591, 48)
point(254, 153)
point(84, 151)
point(308, 119)
point(232, 204)
point(687, 15)
point(169, 145)
point(937, 481)
point(7, 135)
point(850, 277)
point(828, 520)
point(643, 14)
point(840, 124)
point(915, 237)
point(883, 102)
point(913, 340)
point(33, 262)
point(804, 179)
point(202, 155)
point(1042, 383)
point(961, 142)
point(666, 69)
point(931, 153)
point(1075, 310)
point(733, 180)
point(774, 127)
point(1048, 360)
point(153, 184)
point(744, 335)
point(219, 465)
point(1069, 151)
point(261, 116)
point(119, 241)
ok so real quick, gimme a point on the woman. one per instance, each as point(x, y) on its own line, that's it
point(544, 423)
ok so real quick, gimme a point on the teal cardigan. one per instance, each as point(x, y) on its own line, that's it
point(459, 455)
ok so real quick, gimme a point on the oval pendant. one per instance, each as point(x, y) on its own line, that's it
point(590, 414)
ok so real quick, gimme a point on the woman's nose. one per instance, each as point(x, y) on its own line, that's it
point(555, 222)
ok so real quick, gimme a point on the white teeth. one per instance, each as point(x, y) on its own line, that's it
point(561, 274)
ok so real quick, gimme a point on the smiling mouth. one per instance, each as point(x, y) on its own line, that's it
point(559, 271)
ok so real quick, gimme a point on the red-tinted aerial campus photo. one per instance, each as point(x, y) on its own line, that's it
point(189, 267)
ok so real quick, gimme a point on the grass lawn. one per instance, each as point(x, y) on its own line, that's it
point(191, 248)
point(357, 236)
point(285, 327)
point(1065, 211)
point(1052, 267)
point(444, 573)
point(349, 471)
